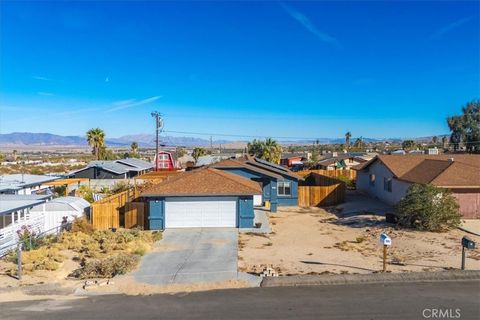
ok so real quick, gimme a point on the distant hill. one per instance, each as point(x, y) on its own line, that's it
point(143, 140)
point(148, 140)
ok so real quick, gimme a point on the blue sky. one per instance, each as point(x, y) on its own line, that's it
point(290, 69)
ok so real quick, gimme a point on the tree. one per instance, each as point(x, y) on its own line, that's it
point(14, 154)
point(198, 152)
point(106, 154)
point(435, 140)
point(445, 142)
point(134, 148)
point(180, 152)
point(408, 144)
point(359, 144)
point(96, 140)
point(268, 150)
point(429, 208)
point(466, 127)
point(348, 135)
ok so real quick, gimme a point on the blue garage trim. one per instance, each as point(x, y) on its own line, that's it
point(245, 213)
point(156, 211)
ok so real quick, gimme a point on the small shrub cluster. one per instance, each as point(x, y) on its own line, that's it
point(43, 258)
point(102, 253)
point(108, 267)
point(349, 183)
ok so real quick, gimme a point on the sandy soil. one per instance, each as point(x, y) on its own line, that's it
point(313, 241)
point(128, 285)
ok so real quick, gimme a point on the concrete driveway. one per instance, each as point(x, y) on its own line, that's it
point(192, 255)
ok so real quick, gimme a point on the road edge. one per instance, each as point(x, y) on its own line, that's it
point(340, 279)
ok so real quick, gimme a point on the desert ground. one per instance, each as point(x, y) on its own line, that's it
point(314, 241)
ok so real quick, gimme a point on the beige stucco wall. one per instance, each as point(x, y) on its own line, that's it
point(469, 204)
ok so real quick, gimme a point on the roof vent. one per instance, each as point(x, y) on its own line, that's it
point(451, 159)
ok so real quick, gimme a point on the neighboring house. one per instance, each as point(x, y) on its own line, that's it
point(279, 185)
point(24, 183)
point(292, 160)
point(15, 213)
point(202, 198)
point(113, 169)
point(340, 162)
point(387, 177)
point(209, 160)
point(63, 209)
point(166, 161)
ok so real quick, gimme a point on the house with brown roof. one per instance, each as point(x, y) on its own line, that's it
point(205, 197)
point(387, 177)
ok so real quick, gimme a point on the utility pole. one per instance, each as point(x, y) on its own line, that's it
point(158, 127)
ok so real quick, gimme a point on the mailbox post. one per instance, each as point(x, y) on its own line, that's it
point(386, 241)
point(467, 243)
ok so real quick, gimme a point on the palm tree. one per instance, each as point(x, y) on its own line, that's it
point(272, 151)
point(96, 140)
point(348, 135)
point(134, 147)
point(14, 153)
point(435, 140)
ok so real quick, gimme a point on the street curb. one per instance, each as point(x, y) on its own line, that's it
point(339, 279)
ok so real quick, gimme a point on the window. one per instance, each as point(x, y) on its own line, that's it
point(387, 184)
point(163, 165)
point(163, 157)
point(284, 188)
point(371, 180)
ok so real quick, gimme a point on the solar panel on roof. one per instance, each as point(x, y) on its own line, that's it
point(270, 164)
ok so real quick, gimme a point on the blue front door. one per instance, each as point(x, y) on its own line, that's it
point(266, 190)
point(157, 216)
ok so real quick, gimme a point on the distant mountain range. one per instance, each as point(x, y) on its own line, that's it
point(143, 140)
point(148, 140)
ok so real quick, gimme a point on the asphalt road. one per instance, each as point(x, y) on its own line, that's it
point(457, 300)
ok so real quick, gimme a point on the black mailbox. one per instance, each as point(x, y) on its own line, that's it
point(468, 243)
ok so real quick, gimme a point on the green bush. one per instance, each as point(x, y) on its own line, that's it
point(349, 183)
point(428, 208)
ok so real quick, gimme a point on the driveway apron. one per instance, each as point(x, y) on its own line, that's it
point(191, 255)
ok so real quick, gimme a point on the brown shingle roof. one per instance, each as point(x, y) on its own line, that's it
point(204, 182)
point(439, 170)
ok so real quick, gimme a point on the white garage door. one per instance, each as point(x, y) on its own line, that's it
point(192, 214)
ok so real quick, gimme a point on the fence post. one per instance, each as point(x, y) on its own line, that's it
point(19, 261)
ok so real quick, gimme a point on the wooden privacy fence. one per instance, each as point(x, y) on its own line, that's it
point(349, 173)
point(318, 190)
point(105, 214)
point(315, 196)
point(135, 215)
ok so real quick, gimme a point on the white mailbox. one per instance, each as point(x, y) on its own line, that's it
point(385, 240)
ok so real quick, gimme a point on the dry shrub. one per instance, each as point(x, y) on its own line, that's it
point(44, 258)
point(108, 267)
point(82, 225)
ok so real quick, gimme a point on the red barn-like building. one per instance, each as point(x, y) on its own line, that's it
point(166, 161)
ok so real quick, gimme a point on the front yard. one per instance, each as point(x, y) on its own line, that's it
point(314, 241)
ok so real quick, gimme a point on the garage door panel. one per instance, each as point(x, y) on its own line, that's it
point(188, 214)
